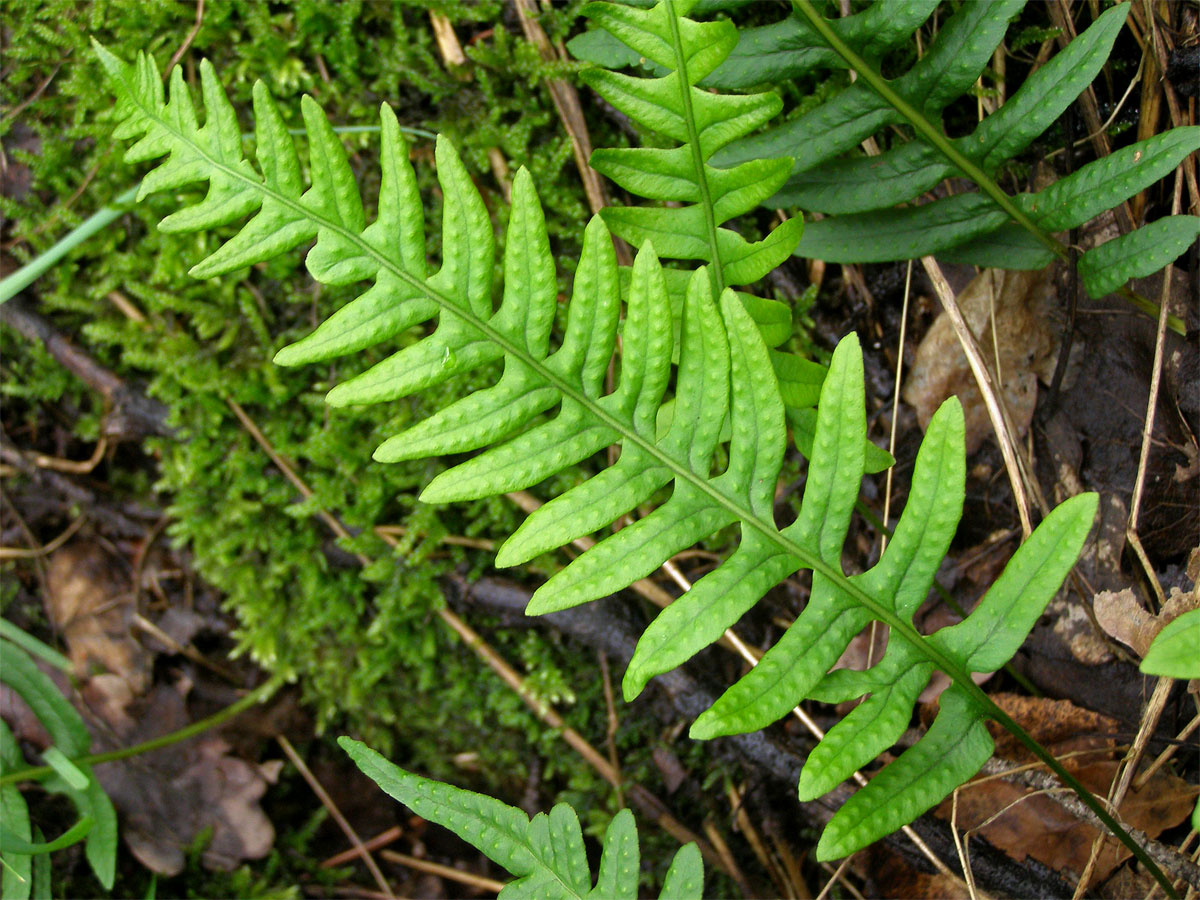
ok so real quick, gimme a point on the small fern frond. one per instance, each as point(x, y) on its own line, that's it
point(546, 854)
point(859, 194)
point(702, 123)
point(97, 823)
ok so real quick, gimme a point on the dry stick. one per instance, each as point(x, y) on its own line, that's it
point(962, 846)
point(380, 840)
point(838, 875)
point(447, 40)
point(1167, 753)
point(754, 839)
point(447, 872)
point(1129, 764)
point(187, 41)
point(799, 885)
point(336, 813)
point(72, 466)
point(43, 549)
point(887, 492)
point(566, 103)
point(646, 801)
point(610, 733)
point(722, 848)
point(187, 650)
point(1000, 423)
point(1135, 506)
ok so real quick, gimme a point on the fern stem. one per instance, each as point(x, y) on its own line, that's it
point(98, 221)
point(256, 696)
point(44, 262)
point(716, 274)
point(948, 598)
point(935, 137)
point(1087, 797)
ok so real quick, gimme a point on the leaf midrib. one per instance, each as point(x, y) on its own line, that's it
point(716, 270)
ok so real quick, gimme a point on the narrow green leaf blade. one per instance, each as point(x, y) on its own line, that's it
point(1175, 652)
point(955, 747)
point(619, 860)
point(57, 716)
point(496, 829)
point(1137, 254)
point(986, 639)
point(12, 843)
point(1104, 183)
point(907, 232)
point(685, 878)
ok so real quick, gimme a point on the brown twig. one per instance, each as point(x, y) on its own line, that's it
point(335, 814)
point(447, 40)
point(610, 733)
point(73, 466)
point(378, 842)
point(187, 41)
point(133, 409)
point(43, 549)
point(1135, 506)
point(1014, 462)
point(448, 872)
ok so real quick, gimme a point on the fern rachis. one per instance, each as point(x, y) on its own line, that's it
point(725, 369)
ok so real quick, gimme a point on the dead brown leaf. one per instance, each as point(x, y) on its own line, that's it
point(166, 798)
point(1019, 349)
point(1027, 823)
point(1123, 617)
point(90, 602)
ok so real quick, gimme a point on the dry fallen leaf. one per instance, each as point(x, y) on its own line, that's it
point(90, 602)
point(1123, 617)
point(1020, 349)
point(1026, 823)
point(166, 798)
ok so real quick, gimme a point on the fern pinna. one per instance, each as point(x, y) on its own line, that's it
point(546, 853)
point(724, 382)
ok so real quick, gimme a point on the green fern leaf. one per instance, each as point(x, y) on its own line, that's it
point(1137, 254)
point(726, 379)
point(1173, 652)
point(546, 853)
point(702, 123)
point(16, 877)
point(859, 194)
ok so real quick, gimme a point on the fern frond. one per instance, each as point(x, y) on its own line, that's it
point(546, 853)
point(725, 377)
point(702, 123)
point(860, 194)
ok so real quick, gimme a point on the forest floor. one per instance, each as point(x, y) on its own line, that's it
point(266, 805)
